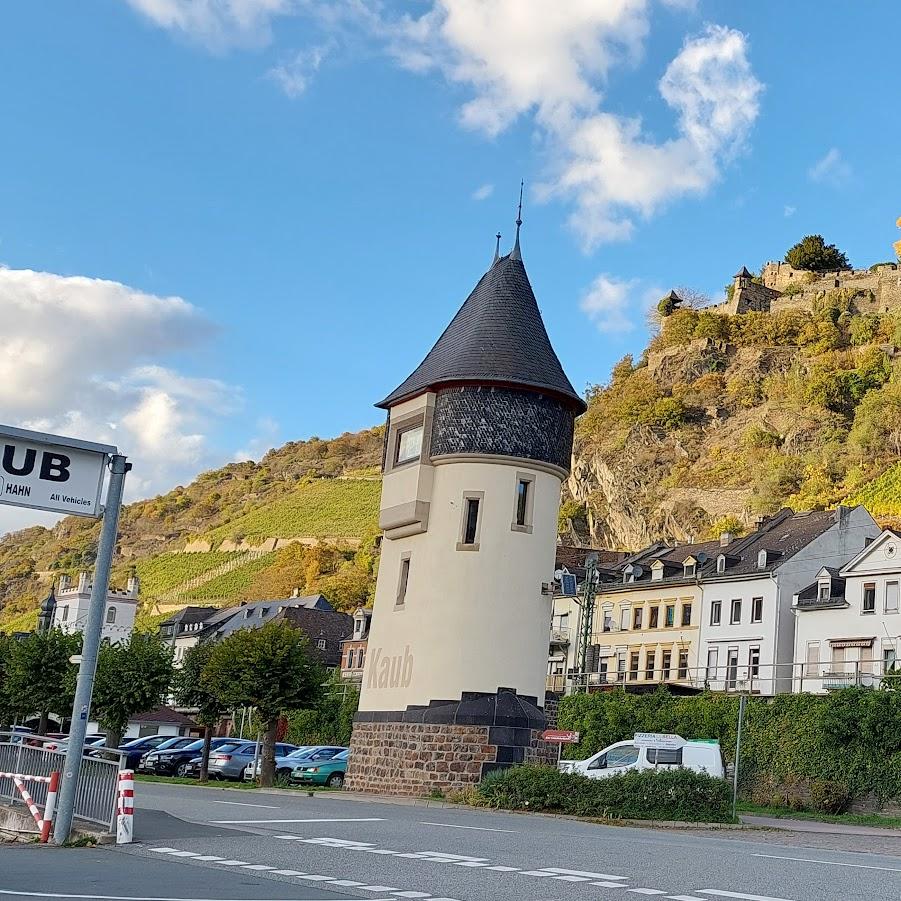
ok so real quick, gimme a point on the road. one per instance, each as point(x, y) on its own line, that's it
point(365, 849)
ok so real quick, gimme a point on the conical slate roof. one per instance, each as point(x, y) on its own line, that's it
point(496, 338)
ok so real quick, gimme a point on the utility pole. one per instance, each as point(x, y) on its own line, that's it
point(741, 718)
point(589, 587)
point(81, 708)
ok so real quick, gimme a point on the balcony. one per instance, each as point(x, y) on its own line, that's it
point(560, 635)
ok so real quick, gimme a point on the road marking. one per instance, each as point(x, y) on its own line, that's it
point(331, 820)
point(646, 891)
point(683, 898)
point(15, 894)
point(478, 828)
point(288, 872)
point(246, 804)
point(829, 863)
point(412, 894)
point(586, 874)
point(504, 869)
point(377, 888)
point(208, 857)
point(258, 866)
point(603, 884)
point(743, 897)
point(347, 883)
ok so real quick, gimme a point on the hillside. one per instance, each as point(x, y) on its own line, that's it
point(321, 492)
point(725, 417)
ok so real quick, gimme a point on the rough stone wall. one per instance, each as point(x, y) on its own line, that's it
point(754, 297)
point(417, 758)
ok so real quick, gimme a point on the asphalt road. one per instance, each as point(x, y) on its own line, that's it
point(365, 849)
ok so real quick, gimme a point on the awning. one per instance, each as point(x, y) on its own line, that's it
point(852, 642)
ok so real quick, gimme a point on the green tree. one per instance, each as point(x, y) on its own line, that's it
point(40, 678)
point(131, 677)
point(813, 253)
point(331, 720)
point(877, 422)
point(269, 668)
point(190, 691)
point(7, 709)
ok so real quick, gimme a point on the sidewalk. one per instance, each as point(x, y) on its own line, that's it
point(790, 825)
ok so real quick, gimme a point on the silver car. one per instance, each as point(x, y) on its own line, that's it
point(230, 760)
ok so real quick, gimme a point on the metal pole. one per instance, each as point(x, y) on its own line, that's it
point(741, 717)
point(91, 644)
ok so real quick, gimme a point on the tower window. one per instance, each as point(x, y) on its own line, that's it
point(409, 445)
point(403, 580)
point(471, 525)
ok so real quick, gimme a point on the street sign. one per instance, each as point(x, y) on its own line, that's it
point(562, 736)
point(659, 740)
point(50, 472)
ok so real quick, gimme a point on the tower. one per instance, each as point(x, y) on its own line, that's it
point(478, 442)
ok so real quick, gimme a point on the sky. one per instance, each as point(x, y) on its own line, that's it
point(227, 224)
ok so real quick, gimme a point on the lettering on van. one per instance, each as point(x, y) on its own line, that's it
point(389, 671)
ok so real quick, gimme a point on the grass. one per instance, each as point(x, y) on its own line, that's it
point(223, 784)
point(340, 508)
point(881, 496)
point(848, 819)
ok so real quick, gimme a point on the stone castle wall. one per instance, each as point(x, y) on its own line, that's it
point(417, 758)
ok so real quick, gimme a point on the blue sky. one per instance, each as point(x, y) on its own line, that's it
point(231, 223)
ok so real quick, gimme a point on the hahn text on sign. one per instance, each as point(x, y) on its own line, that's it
point(49, 472)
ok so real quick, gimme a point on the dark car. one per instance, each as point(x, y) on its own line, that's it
point(138, 747)
point(175, 761)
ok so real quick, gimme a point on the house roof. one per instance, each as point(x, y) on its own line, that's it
point(190, 615)
point(496, 338)
point(743, 274)
point(808, 598)
point(257, 613)
point(569, 555)
point(163, 714)
point(330, 625)
point(886, 535)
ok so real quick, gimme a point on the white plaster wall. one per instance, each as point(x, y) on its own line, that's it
point(472, 620)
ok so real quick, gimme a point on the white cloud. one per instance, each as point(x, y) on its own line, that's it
point(483, 192)
point(216, 23)
point(294, 75)
point(83, 357)
point(788, 211)
point(267, 436)
point(831, 169)
point(612, 303)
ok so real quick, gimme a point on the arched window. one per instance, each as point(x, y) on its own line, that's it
point(110, 615)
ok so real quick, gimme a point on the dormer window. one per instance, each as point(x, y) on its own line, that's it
point(656, 570)
point(761, 559)
point(721, 563)
point(824, 590)
point(689, 568)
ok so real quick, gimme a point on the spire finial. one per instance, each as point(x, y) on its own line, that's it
point(497, 249)
point(516, 254)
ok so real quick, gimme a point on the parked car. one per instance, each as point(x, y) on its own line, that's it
point(175, 761)
point(138, 747)
point(283, 764)
point(229, 762)
point(91, 743)
point(324, 771)
point(648, 751)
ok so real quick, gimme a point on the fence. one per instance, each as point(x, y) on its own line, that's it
point(768, 679)
point(98, 782)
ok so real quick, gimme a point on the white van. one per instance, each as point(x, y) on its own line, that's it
point(649, 751)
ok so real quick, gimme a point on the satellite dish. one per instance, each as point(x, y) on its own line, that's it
point(702, 558)
point(637, 570)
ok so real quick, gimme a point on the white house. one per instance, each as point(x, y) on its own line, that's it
point(67, 608)
point(747, 626)
point(848, 625)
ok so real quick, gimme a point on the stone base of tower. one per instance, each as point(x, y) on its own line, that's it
point(446, 746)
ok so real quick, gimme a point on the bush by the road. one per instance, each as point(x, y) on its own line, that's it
point(677, 794)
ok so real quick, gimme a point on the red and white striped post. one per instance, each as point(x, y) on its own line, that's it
point(50, 808)
point(125, 812)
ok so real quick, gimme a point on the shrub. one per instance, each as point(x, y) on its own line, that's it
point(792, 288)
point(676, 794)
point(827, 796)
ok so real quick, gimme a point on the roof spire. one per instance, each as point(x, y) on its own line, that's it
point(516, 254)
point(497, 249)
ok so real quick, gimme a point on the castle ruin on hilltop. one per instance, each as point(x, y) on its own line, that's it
point(781, 287)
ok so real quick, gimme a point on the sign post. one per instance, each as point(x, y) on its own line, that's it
point(65, 475)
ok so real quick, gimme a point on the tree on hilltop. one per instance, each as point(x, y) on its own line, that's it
point(814, 254)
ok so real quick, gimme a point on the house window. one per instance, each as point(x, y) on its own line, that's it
point(869, 597)
point(683, 664)
point(633, 665)
point(735, 612)
point(666, 663)
point(63, 614)
point(891, 597)
point(650, 664)
point(689, 570)
point(350, 659)
point(624, 618)
point(686, 614)
point(731, 668)
point(754, 663)
point(824, 591)
point(469, 536)
point(522, 511)
point(838, 660)
point(721, 564)
point(756, 610)
point(321, 644)
point(654, 618)
point(712, 656)
point(361, 658)
point(409, 445)
point(110, 615)
point(608, 623)
point(403, 580)
point(889, 658)
point(621, 666)
point(716, 612)
point(636, 617)
point(670, 615)
point(812, 664)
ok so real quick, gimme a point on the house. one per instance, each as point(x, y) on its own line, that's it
point(67, 608)
point(161, 720)
point(353, 649)
point(325, 629)
point(182, 630)
point(847, 619)
point(748, 588)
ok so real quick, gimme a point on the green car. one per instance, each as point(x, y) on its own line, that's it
point(323, 772)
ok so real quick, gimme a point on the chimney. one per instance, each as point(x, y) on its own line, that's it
point(760, 522)
point(83, 583)
point(295, 593)
point(725, 538)
point(841, 514)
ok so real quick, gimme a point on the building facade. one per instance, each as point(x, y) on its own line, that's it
point(353, 649)
point(67, 608)
point(478, 442)
point(847, 620)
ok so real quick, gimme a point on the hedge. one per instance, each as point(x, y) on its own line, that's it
point(677, 794)
point(802, 750)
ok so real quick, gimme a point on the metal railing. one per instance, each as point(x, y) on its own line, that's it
point(95, 798)
point(560, 635)
point(757, 678)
